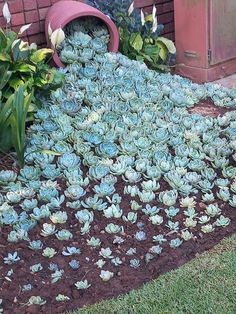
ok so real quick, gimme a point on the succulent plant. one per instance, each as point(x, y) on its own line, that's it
point(62, 298)
point(100, 263)
point(212, 210)
point(173, 225)
point(106, 275)
point(71, 250)
point(134, 263)
point(106, 253)
point(94, 203)
point(174, 243)
point(140, 236)
point(104, 189)
point(186, 235)
point(11, 258)
point(222, 221)
point(15, 236)
point(146, 196)
point(48, 229)
point(116, 261)
point(168, 197)
point(82, 285)
point(28, 205)
point(204, 219)
point(74, 192)
point(171, 211)
point(112, 228)
point(94, 242)
point(84, 216)
point(59, 217)
point(49, 252)
point(113, 211)
point(7, 176)
point(56, 276)
point(40, 212)
point(188, 202)
point(35, 300)
point(69, 161)
point(64, 235)
point(232, 202)
point(156, 219)
point(131, 217)
point(207, 228)
point(190, 212)
point(36, 268)
point(36, 245)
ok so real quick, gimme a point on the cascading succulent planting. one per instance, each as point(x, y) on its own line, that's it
point(113, 121)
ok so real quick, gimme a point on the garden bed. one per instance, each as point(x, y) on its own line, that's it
point(125, 179)
point(125, 278)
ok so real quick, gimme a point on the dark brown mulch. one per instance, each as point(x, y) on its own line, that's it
point(125, 278)
point(206, 107)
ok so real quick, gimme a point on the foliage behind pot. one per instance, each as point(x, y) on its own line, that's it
point(139, 33)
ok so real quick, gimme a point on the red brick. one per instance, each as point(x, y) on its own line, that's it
point(146, 3)
point(42, 26)
point(166, 18)
point(43, 13)
point(30, 4)
point(15, 28)
point(168, 6)
point(2, 22)
point(31, 16)
point(44, 3)
point(169, 27)
point(170, 36)
point(17, 19)
point(15, 6)
point(39, 38)
point(34, 29)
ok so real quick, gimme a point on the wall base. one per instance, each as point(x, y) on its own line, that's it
point(201, 75)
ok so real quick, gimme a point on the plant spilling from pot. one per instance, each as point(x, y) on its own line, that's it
point(25, 74)
point(139, 33)
point(139, 184)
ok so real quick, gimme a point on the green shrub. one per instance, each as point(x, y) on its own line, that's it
point(24, 74)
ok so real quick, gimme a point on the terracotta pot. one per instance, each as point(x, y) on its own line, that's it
point(63, 12)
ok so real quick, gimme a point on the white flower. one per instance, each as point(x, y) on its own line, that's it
point(57, 37)
point(154, 19)
point(131, 8)
point(142, 18)
point(6, 13)
point(24, 28)
point(49, 30)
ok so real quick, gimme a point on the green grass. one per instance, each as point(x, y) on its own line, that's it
point(205, 285)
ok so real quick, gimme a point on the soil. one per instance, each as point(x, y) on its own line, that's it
point(206, 107)
point(125, 278)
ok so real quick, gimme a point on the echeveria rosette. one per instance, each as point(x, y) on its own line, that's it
point(69, 160)
point(107, 150)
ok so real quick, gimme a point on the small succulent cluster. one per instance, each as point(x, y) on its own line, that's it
point(84, 39)
point(117, 123)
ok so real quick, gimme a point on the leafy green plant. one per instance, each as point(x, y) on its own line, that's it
point(13, 116)
point(139, 33)
point(24, 64)
point(24, 73)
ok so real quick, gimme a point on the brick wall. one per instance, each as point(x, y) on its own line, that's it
point(165, 13)
point(34, 11)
